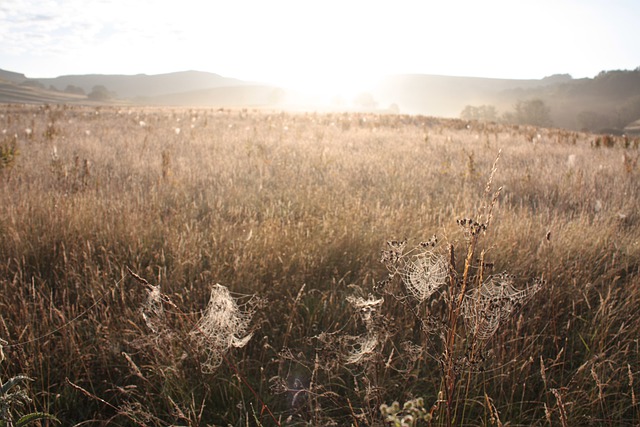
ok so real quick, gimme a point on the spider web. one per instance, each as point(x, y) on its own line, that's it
point(363, 348)
point(492, 303)
point(221, 327)
point(153, 310)
point(364, 345)
point(424, 273)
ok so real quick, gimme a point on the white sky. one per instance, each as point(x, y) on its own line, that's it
point(315, 44)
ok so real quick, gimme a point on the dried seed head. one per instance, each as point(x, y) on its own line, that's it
point(471, 227)
point(432, 242)
point(393, 254)
point(380, 285)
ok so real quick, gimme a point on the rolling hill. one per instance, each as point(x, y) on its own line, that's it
point(12, 77)
point(608, 101)
point(187, 88)
point(448, 95)
point(11, 93)
point(224, 96)
point(143, 85)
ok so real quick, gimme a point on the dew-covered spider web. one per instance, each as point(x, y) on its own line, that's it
point(153, 310)
point(363, 346)
point(221, 327)
point(424, 273)
point(485, 307)
point(422, 270)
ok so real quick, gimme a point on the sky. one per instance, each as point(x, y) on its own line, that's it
point(314, 45)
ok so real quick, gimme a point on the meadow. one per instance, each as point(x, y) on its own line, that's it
point(200, 267)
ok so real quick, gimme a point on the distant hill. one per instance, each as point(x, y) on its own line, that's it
point(448, 95)
point(187, 88)
point(11, 93)
point(11, 77)
point(226, 96)
point(607, 102)
point(143, 85)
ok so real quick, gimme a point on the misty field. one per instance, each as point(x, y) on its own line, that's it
point(217, 267)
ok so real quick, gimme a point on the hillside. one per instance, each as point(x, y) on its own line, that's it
point(143, 85)
point(609, 101)
point(12, 77)
point(188, 88)
point(606, 103)
point(11, 93)
point(447, 95)
point(229, 96)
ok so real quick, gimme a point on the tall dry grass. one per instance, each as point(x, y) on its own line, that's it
point(290, 212)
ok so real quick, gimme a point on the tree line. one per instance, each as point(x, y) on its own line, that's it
point(529, 112)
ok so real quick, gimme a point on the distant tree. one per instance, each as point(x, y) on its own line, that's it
point(100, 93)
point(558, 78)
point(74, 90)
point(469, 113)
point(532, 112)
point(616, 84)
point(508, 117)
point(486, 113)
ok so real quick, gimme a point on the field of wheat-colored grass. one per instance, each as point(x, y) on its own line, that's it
point(200, 267)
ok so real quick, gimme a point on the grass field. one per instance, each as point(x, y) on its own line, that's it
point(116, 224)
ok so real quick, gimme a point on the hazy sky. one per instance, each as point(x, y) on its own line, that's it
point(300, 43)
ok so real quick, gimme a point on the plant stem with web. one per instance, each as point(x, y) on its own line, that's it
point(454, 313)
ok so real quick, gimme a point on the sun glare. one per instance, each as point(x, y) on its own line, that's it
point(330, 87)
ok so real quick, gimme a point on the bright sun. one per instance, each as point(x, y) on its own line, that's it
point(330, 88)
